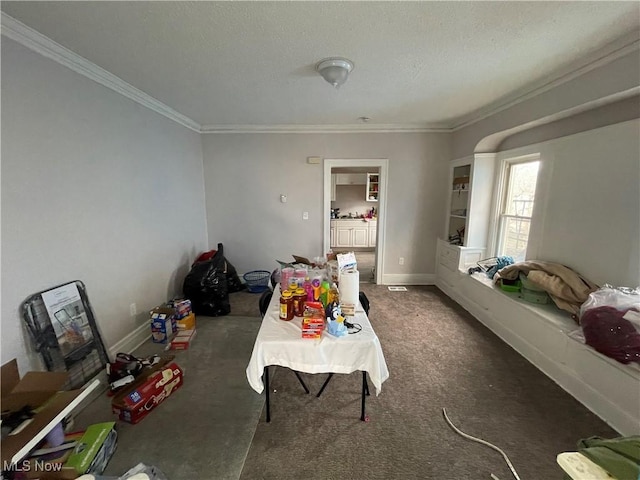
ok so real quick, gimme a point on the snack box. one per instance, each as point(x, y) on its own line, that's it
point(182, 340)
point(150, 389)
point(181, 307)
point(163, 324)
point(187, 323)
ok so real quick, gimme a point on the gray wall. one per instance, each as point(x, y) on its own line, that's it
point(606, 80)
point(94, 187)
point(352, 199)
point(616, 112)
point(587, 203)
point(246, 173)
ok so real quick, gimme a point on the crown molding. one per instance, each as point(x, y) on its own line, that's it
point(356, 128)
point(607, 54)
point(30, 38)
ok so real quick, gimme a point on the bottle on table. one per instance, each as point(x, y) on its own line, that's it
point(286, 305)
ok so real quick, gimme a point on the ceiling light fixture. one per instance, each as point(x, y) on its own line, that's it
point(335, 70)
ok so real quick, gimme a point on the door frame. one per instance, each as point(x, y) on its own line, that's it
point(382, 164)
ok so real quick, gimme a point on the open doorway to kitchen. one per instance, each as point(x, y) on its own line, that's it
point(354, 212)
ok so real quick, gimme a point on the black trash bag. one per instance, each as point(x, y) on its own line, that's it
point(207, 287)
point(233, 281)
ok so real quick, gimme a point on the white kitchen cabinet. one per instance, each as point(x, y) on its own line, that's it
point(349, 233)
point(351, 179)
point(360, 236)
point(373, 229)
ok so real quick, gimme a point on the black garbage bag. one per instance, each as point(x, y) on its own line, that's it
point(233, 281)
point(207, 286)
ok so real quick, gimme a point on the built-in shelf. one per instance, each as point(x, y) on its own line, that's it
point(458, 216)
point(372, 187)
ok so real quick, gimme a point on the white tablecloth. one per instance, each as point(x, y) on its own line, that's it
point(280, 343)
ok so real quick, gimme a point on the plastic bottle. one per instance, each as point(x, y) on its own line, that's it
point(324, 293)
point(299, 299)
point(286, 305)
point(334, 294)
point(309, 289)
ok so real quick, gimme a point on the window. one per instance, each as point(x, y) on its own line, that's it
point(517, 208)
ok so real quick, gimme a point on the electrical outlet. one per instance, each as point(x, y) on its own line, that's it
point(401, 261)
point(305, 215)
point(133, 310)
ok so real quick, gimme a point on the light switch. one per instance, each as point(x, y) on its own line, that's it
point(305, 215)
point(283, 198)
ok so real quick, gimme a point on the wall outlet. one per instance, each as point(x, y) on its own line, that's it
point(133, 310)
point(305, 215)
point(401, 261)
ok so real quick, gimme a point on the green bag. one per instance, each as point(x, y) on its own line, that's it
point(618, 456)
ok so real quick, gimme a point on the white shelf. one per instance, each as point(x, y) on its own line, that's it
point(458, 216)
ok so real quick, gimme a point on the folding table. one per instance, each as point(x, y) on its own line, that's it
point(280, 343)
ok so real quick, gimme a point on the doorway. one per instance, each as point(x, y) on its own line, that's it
point(365, 220)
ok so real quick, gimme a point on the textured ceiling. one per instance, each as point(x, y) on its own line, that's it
point(252, 63)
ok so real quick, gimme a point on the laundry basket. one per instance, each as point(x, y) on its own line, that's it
point(257, 281)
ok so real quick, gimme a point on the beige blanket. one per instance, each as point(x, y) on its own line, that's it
point(566, 288)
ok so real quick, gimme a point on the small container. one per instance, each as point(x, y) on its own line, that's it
point(286, 305)
point(299, 299)
point(286, 274)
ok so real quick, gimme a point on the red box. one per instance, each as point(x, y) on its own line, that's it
point(182, 340)
point(148, 391)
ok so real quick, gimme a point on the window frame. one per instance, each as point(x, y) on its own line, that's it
point(501, 194)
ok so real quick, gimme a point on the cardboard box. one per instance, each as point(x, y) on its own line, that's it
point(181, 307)
point(187, 323)
point(94, 449)
point(163, 324)
point(39, 390)
point(182, 340)
point(151, 388)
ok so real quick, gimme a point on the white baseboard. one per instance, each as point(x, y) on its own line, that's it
point(409, 279)
point(132, 341)
point(558, 366)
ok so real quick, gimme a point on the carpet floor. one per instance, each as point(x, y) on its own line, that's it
point(438, 356)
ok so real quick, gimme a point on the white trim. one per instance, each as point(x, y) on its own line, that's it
point(383, 165)
point(368, 128)
point(132, 341)
point(30, 38)
point(557, 365)
point(409, 279)
point(614, 50)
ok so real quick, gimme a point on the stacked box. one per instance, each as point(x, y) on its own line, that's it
point(187, 323)
point(163, 324)
point(182, 307)
point(151, 388)
point(312, 327)
point(182, 340)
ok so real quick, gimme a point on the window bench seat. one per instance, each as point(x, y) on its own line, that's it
point(540, 333)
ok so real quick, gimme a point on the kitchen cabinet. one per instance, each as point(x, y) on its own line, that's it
point(469, 200)
point(373, 229)
point(351, 178)
point(372, 187)
point(352, 233)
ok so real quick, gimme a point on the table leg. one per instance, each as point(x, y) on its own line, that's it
point(304, 385)
point(365, 388)
point(366, 385)
point(266, 386)
point(324, 385)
